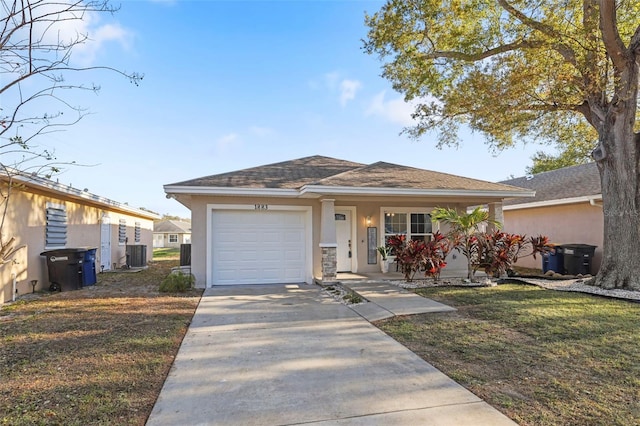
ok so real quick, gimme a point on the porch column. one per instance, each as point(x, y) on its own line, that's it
point(328, 241)
point(495, 213)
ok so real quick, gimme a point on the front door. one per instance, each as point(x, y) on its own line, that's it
point(343, 238)
point(105, 244)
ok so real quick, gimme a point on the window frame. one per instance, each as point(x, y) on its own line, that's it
point(173, 235)
point(408, 212)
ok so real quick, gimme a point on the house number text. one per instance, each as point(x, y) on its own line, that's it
point(261, 206)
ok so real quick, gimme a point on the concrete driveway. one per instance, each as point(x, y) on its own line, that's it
point(289, 354)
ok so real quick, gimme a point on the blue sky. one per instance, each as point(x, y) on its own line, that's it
point(236, 84)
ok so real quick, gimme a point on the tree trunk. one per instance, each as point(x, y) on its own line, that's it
point(620, 176)
point(621, 248)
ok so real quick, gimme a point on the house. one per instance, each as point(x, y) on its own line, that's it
point(171, 233)
point(307, 219)
point(567, 208)
point(43, 214)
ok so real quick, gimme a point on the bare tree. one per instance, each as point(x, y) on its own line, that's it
point(37, 40)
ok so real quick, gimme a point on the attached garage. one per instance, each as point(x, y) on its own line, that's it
point(259, 245)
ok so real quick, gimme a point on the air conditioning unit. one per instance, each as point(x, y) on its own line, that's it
point(136, 255)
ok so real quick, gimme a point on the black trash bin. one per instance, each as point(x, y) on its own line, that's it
point(89, 276)
point(577, 258)
point(65, 268)
point(553, 261)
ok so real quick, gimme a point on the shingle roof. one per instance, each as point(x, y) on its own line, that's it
point(327, 171)
point(172, 227)
point(387, 175)
point(286, 175)
point(568, 182)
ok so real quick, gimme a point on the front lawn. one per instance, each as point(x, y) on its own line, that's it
point(542, 357)
point(96, 356)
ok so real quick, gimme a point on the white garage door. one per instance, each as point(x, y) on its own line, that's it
point(258, 247)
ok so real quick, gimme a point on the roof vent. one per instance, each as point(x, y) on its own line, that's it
point(528, 177)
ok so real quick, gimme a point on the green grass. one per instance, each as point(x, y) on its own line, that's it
point(166, 253)
point(543, 357)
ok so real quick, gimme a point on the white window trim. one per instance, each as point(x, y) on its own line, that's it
point(173, 235)
point(407, 210)
point(211, 208)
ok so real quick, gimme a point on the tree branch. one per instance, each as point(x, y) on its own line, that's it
point(532, 23)
point(472, 57)
point(634, 46)
point(610, 36)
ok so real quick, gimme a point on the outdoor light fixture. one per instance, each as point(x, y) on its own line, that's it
point(368, 220)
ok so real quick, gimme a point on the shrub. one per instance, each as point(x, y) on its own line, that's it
point(177, 282)
point(498, 251)
point(417, 255)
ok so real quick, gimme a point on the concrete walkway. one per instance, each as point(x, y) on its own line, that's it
point(387, 300)
point(290, 355)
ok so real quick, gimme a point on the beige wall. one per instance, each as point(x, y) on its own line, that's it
point(566, 224)
point(26, 220)
point(364, 206)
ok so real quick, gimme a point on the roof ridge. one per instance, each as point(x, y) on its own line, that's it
point(355, 169)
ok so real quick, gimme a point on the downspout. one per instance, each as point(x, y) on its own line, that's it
point(15, 283)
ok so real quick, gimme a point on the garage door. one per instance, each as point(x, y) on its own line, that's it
point(258, 247)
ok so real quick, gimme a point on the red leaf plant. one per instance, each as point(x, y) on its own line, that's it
point(417, 255)
point(496, 252)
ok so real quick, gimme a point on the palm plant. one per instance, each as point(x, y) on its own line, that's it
point(464, 230)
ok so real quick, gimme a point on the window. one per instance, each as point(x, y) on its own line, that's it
point(173, 238)
point(56, 228)
point(136, 232)
point(416, 226)
point(421, 226)
point(122, 232)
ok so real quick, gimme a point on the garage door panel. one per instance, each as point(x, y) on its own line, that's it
point(292, 256)
point(271, 256)
point(226, 237)
point(226, 255)
point(252, 247)
point(291, 237)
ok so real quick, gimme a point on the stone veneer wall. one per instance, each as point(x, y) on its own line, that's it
point(329, 264)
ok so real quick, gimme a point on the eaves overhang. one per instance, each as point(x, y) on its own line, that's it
point(84, 196)
point(317, 191)
point(557, 202)
point(226, 191)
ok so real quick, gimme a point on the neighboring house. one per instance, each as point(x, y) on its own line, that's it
point(171, 233)
point(306, 219)
point(44, 215)
point(567, 208)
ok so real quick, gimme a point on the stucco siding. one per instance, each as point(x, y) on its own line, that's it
point(361, 207)
point(563, 224)
point(26, 220)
